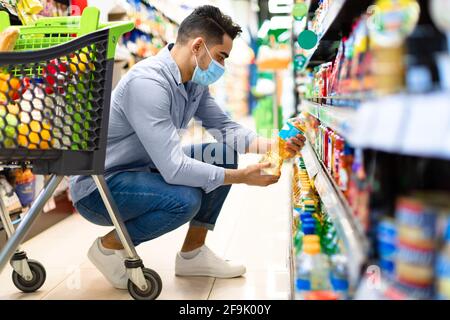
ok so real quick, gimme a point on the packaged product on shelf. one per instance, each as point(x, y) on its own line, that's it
point(312, 268)
point(328, 236)
point(276, 157)
point(359, 190)
point(387, 245)
point(345, 168)
point(391, 23)
point(443, 267)
point(338, 149)
point(339, 275)
point(416, 247)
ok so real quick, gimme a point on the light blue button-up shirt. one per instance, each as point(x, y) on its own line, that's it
point(148, 106)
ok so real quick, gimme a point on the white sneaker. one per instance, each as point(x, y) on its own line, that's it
point(206, 263)
point(110, 265)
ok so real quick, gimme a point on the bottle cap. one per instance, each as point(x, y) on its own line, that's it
point(311, 248)
point(309, 228)
point(339, 284)
point(305, 216)
point(311, 238)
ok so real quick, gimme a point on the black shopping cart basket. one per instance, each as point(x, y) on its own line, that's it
point(55, 90)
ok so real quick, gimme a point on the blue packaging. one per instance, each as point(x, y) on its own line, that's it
point(309, 228)
point(289, 131)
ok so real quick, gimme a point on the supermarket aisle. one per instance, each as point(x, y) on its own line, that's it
point(253, 228)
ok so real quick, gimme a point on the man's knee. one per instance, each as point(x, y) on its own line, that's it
point(190, 202)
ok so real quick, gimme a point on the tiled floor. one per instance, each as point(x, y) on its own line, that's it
point(253, 228)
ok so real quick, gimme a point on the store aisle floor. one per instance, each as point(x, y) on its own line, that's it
point(252, 228)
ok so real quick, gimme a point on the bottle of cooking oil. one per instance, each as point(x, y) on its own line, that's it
point(278, 153)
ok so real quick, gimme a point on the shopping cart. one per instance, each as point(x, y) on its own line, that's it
point(55, 90)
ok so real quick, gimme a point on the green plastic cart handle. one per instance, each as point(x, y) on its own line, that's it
point(81, 25)
point(116, 29)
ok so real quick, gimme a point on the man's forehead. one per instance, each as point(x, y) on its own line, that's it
point(224, 47)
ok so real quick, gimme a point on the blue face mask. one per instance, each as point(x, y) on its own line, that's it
point(212, 74)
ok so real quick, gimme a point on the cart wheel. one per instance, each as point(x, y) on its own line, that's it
point(154, 284)
point(39, 275)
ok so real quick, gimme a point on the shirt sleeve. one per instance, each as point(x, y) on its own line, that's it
point(220, 125)
point(147, 106)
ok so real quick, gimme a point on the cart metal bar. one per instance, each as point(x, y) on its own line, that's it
point(5, 218)
point(113, 211)
point(13, 243)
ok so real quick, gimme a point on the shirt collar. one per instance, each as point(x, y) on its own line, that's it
point(167, 58)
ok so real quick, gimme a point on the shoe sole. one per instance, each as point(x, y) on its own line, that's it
point(208, 274)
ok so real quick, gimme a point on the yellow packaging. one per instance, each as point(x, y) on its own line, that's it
point(32, 6)
point(25, 17)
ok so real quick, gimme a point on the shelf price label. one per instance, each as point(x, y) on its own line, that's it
point(300, 62)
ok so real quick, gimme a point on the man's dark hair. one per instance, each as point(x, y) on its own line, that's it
point(208, 22)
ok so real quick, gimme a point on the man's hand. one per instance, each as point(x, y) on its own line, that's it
point(295, 144)
point(255, 176)
point(252, 175)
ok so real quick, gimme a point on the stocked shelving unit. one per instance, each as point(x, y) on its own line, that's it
point(401, 124)
point(337, 20)
point(340, 119)
point(396, 124)
point(338, 209)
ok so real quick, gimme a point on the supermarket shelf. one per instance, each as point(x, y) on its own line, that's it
point(337, 21)
point(145, 29)
point(349, 229)
point(405, 124)
point(329, 18)
point(340, 119)
point(170, 11)
point(291, 256)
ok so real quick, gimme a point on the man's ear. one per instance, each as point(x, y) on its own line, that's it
point(197, 43)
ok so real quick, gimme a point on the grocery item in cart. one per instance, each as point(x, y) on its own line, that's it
point(27, 10)
point(9, 197)
point(8, 38)
point(24, 186)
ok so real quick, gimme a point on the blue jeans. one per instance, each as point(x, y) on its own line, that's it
point(150, 207)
